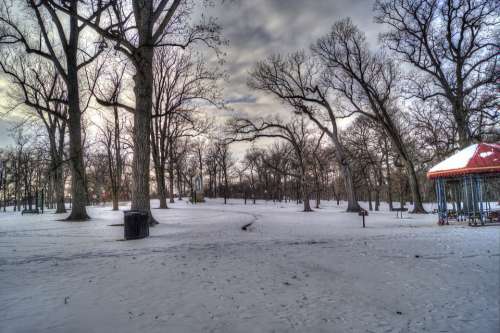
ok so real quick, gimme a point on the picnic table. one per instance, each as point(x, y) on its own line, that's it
point(30, 211)
point(399, 211)
point(493, 215)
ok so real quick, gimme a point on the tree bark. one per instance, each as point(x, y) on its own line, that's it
point(171, 179)
point(418, 207)
point(225, 186)
point(59, 189)
point(118, 160)
point(56, 163)
point(143, 91)
point(370, 205)
point(400, 148)
point(460, 115)
point(305, 195)
point(352, 203)
point(160, 184)
point(78, 186)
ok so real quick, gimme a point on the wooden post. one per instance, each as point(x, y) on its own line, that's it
point(363, 213)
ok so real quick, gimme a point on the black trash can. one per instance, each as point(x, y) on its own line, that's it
point(136, 224)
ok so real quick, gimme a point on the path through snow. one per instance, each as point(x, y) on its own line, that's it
point(292, 271)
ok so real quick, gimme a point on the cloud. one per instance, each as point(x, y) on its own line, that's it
point(241, 99)
point(257, 29)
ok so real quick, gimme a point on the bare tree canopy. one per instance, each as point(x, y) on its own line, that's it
point(296, 80)
point(453, 46)
point(367, 85)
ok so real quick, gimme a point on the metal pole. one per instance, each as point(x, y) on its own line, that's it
point(480, 198)
point(445, 202)
point(43, 199)
point(473, 200)
point(467, 201)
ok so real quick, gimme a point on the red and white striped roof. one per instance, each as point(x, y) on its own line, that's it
point(477, 158)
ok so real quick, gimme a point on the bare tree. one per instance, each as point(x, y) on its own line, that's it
point(225, 162)
point(367, 84)
point(108, 87)
point(136, 28)
point(296, 81)
point(295, 132)
point(453, 44)
point(39, 86)
point(220, 166)
point(110, 137)
point(363, 139)
point(182, 84)
point(43, 31)
point(251, 163)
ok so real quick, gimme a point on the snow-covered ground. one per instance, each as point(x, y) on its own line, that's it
point(292, 271)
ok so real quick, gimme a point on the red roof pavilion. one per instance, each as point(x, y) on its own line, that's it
point(475, 159)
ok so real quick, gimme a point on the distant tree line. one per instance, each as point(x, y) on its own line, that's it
point(117, 95)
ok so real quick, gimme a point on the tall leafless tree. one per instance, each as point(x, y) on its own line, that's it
point(136, 28)
point(39, 87)
point(182, 85)
point(453, 45)
point(295, 133)
point(367, 83)
point(41, 29)
point(108, 94)
point(296, 81)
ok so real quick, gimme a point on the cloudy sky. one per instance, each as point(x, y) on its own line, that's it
point(256, 29)
point(259, 28)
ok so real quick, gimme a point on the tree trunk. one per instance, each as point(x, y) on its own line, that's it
point(143, 90)
point(305, 196)
point(57, 169)
point(370, 205)
point(179, 184)
point(78, 185)
point(162, 193)
point(352, 203)
point(59, 189)
point(171, 178)
point(418, 207)
point(318, 189)
point(118, 161)
point(115, 200)
point(389, 183)
point(304, 188)
point(379, 186)
point(78, 188)
point(400, 148)
point(225, 187)
point(160, 185)
point(402, 200)
point(460, 116)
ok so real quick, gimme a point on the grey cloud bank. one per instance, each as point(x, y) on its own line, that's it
point(257, 29)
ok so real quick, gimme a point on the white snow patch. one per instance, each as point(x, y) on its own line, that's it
point(456, 161)
point(485, 154)
point(293, 272)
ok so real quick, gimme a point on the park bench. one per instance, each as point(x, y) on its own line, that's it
point(399, 211)
point(30, 211)
point(493, 215)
